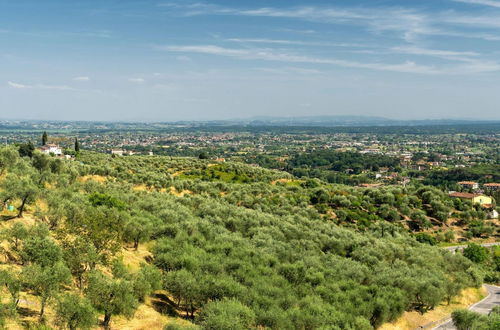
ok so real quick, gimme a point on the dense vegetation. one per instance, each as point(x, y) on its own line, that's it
point(464, 320)
point(480, 173)
point(354, 162)
point(337, 167)
point(231, 244)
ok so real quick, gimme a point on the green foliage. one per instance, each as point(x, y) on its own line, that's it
point(176, 326)
point(138, 229)
point(476, 253)
point(241, 249)
point(8, 158)
point(41, 162)
point(14, 235)
point(147, 280)
point(481, 173)
point(26, 149)
point(102, 227)
point(74, 312)
point(100, 199)
point(45, 138)
point(227, 314)
point(425, 238)
point(11, 281)
point(77, 146)
point(80, 256)
point(467, 320)
point(111, 296)
point(22, 185)
point(41, 250)
point(45, 282)
point(342, 161)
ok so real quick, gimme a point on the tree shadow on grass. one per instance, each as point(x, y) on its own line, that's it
point(27, 312)
point(162, 304)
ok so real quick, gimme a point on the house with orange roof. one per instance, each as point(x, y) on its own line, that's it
point(480, 199)
point(492, 186)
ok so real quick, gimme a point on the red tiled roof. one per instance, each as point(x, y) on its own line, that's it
point(462, 195)
point(467, 182)
point(492, 185)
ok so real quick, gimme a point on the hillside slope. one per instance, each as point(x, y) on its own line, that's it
point(240, 246)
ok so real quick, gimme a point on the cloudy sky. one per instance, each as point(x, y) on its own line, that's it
point(172, 60)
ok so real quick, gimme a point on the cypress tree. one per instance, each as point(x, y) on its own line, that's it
point(77, 145)
point(44, 138)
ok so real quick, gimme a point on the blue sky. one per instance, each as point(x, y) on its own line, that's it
point(173, 60)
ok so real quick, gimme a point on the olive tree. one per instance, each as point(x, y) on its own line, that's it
point(45, 282)
point(111, 296)
point(75, 312)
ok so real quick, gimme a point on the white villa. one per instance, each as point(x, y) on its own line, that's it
point(53, 149)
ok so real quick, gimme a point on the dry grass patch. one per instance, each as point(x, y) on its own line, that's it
point(28, 220)
point(141, 187)
point(96, 178)
point(134, 258)
point(177, 173)
point(146, 318)
point(174, 192)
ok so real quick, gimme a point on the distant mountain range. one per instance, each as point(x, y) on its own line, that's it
point(348, 121)
point(306, 121)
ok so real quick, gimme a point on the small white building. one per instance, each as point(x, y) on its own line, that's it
point(118, 152)
point(469, 185)
point(51, 149)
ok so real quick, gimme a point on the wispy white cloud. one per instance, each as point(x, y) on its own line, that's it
point(474, 66)
point(266, 55)
point(307, 31)
point(464, 56)
point(486, 21)
point(57, 34)
point(292, 42)
point(40, 86)
point(409, 23)
point(290, 70)
point(489, 3)
point(16, 85)
point(416, 27)
point(206, 49)
point(82, 78)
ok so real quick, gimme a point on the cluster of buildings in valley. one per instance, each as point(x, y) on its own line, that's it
point(415, 151)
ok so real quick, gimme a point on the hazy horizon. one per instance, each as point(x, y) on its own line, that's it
point(168, 61)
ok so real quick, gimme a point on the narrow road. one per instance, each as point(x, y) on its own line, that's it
point(484, 306)
point(461, 247)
